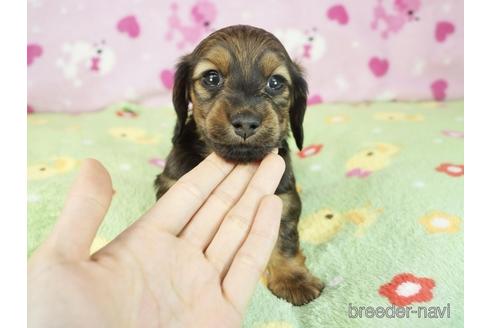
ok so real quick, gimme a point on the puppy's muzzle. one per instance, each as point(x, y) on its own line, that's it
point(245, 124)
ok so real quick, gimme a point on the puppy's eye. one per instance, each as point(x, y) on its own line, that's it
point(275, 83)
point(212, 78)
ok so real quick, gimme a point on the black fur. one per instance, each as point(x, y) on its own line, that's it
point(189, 150)
point(298, 108)
point(191, 144)
point(181, 97)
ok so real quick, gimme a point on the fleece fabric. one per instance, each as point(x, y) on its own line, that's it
point(382, 192)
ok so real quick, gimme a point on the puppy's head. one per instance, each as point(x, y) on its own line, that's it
point(245, 92)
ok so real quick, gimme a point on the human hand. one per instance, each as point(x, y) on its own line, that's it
point(193, 260)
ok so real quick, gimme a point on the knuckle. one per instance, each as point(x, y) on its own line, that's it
point(224, 198)
point(250, 261)
point(89, 200)
point(189, 188)
point(262, 235)
point(239, 221)
point(257, 189)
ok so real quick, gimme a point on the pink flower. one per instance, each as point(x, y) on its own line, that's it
point(453, 134)
point(159, 162)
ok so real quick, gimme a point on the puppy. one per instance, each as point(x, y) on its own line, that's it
point(245, 92)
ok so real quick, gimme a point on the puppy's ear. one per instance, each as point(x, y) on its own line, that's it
point(181, 94)
point(298, 105)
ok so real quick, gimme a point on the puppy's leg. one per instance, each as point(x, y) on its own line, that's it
point(287, 275)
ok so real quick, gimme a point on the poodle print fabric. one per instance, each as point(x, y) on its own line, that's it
point(84, 55)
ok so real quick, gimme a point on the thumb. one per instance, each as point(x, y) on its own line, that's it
point(86, 205)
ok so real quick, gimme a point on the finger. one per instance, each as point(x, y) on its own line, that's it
point(252, 258)
point(176, 207)
point(237, 222)
point(85, 208)
point(201, 229)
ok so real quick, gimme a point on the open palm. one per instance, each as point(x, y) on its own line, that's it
point(193, 260)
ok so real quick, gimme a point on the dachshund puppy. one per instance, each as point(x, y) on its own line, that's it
point(245, 92)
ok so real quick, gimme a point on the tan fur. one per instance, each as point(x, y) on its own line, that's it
point(288, 278)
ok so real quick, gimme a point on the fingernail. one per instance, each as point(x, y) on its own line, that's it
point(274, 151)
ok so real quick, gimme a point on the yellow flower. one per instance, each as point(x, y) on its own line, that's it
point(363, 217)
point(320, 226)
point(335, 119)
point(438, 221)
point(56, 166)
point(36, 120)
point(127, 132)
point(73, 128)
point(398, 116)
point(432, 104)
point(135, 135)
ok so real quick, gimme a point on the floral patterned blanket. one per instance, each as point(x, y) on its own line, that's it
point(382, 191)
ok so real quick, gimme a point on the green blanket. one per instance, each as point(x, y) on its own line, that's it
point(382, 192)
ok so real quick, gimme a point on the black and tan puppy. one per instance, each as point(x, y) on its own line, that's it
point(245, 92)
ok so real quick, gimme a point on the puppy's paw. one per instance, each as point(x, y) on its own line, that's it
point(298, 289)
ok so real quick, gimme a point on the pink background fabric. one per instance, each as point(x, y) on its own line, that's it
point(84, 55)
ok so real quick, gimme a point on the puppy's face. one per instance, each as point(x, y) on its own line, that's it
point(245, 92)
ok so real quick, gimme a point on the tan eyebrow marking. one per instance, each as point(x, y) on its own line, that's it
point(269, 61)
point(202, 66)
point(284, 72)
point(271, 64)
point(220, 57)
point(217, 58)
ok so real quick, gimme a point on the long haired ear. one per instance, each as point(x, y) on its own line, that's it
point(298, 106)
point(181, 94)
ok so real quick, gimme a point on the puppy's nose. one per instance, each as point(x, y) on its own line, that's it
point(245, 124)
